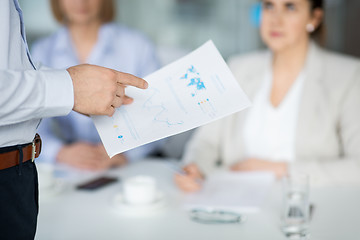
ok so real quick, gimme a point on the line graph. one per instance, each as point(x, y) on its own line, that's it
point(162, 112)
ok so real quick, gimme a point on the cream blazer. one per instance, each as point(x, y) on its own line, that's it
point(328, 128)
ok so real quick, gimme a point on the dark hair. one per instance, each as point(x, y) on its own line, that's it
point(107, 12)
point(319, 33)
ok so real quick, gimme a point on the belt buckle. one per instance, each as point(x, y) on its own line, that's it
point(33, 152)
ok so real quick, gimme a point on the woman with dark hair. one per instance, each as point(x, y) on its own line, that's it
point(89, 35)
point(305, 107)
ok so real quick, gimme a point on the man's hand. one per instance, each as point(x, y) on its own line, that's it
point(99, 90)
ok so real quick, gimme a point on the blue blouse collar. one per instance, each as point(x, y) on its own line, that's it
point(64, 44)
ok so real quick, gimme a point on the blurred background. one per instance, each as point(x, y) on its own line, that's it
point(179, 26)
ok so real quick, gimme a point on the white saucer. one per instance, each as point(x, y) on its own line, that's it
point(119, 202)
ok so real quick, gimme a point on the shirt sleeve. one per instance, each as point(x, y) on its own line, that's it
point(34, 94)
point(39, 50)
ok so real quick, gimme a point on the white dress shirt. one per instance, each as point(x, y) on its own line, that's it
point(26, 94)
point(270, 132)
point(118, 47)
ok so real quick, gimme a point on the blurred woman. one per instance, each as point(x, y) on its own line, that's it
point(88, 35)
point(305, 107)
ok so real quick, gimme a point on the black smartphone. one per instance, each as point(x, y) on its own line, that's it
point(97, 183)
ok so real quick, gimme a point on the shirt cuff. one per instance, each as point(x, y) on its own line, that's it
point(59, 92)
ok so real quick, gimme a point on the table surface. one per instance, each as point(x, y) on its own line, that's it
point(73, 214)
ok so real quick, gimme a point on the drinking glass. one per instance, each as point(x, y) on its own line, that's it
point(295, 208)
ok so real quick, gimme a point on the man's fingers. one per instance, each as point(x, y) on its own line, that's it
point(89, 98)
point(131, 80)
point(110, 112)
point(118, 101)
point(127, 100)
point(120, 91)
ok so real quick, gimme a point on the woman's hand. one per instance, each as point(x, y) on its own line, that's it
point(191, 181)
point(88, 156)
point(116, 161)
point(253, 164)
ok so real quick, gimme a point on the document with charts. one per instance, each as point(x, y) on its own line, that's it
point(192, 91)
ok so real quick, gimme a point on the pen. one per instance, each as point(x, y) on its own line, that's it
point(175, 168)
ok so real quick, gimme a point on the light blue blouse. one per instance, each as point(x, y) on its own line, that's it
point(118, 47)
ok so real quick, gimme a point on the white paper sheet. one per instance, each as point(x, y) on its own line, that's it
point(238, 192)
point(195, 90)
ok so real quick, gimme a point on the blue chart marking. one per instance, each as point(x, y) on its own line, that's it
point(198, 90)
point(121, 138)
point(160, 116)
point(124, 115)
point(117, 130)
point(192, 76)
point(207, 107)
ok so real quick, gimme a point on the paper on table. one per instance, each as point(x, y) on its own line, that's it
point(238, 192)
point(194, 90)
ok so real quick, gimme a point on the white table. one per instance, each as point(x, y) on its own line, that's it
point(74, 214)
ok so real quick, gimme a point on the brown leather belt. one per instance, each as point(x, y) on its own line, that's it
point(11, 158)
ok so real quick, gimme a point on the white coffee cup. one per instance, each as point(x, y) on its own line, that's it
point(140, 190)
